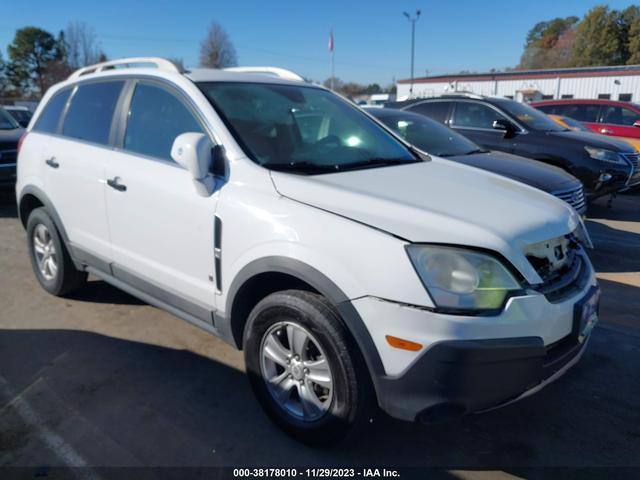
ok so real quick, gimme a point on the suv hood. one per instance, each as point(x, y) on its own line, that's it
point(594, 140)
point(439, 202)
point(532, 172)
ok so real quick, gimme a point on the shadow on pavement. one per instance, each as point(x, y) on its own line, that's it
point(614, 250)
point(624, 207)
point(119, 402)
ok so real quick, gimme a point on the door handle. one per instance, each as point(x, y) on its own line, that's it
point(115, 184)
point(606, 131)
point(52, 162)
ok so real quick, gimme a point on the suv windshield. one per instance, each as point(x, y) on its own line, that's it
point(7, 122)
point(303, 129)
point(427, 134)
point(530, 117)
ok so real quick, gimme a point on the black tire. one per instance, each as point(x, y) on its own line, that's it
point(67, 278)
point(352, 405)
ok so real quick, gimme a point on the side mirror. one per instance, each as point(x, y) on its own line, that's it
point(636, 123)
point(504, 125)
point(193, 151)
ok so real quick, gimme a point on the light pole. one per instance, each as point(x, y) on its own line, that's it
point(413, 21)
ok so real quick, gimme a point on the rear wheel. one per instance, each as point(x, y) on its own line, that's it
point(50, 259)
point(305, 368)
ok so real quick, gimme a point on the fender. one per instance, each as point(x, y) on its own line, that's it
point(51, 210)
point(327, 288)
point(44, 199)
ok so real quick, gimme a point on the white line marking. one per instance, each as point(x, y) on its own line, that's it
point(65, 452)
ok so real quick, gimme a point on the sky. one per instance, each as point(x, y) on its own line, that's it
point(372, 38)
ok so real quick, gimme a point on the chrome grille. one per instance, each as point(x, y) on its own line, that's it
point(573, 196)
point(634, 159)
point(560, 283)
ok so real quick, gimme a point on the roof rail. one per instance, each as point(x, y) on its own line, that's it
point(268, 71)
point(132, 62)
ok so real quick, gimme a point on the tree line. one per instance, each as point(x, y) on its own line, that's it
point(37, 59)
point(603, 37)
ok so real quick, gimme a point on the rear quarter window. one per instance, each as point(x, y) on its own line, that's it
point(49, 119)
point(91, 111)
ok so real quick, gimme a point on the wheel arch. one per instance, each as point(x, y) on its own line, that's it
point(242, 297)
point(33, 197)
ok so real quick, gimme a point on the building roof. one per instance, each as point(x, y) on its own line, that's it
point(622, 70)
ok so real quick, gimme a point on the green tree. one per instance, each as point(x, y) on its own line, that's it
point(631, 34)
point(599, 39)
point(33, 53)
point(633, 45)
point(541, 48)
point(4, 85)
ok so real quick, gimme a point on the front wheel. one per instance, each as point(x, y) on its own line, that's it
point(305, 368)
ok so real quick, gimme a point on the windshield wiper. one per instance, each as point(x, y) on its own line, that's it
point(302, 167)
point(477, 150)
point(376, 162)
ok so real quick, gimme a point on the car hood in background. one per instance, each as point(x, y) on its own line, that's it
point(11, 136)
point(594, 140)
point(439, 202)
point(532, 172)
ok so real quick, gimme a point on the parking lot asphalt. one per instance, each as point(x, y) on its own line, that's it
point(102, 379)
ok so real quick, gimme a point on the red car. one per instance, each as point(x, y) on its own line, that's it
point(610, 117)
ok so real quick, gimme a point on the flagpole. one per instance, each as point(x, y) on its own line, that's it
point(331, 58)
point(332, 70)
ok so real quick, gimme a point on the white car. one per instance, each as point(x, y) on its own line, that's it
point(352, 270)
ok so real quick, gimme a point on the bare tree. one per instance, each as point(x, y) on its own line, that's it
point(83, 47)
point(216, 50)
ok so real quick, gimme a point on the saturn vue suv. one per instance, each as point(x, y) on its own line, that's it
point(354, 271)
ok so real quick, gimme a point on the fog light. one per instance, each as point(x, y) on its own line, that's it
point(604, 177)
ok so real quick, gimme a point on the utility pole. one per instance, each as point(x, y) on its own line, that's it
point(413, 21)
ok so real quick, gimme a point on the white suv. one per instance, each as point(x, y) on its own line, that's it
point(353, 270)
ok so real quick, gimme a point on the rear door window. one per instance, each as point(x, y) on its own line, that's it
point(475, 115)
point(91, 111)
point(439, 111)
point(619, 116)
point(49, 119)
point(156, 117)
point(581, 112)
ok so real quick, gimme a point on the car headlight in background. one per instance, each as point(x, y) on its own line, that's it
point(461, 279)
point(605, 155)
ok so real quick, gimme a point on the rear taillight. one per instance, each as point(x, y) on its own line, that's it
point(22, 137)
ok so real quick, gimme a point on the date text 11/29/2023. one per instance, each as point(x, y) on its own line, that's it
point(315, 473)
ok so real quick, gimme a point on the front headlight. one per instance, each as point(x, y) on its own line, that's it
point(461, 279)
point(605, 155)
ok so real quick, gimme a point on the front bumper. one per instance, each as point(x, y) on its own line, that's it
point(460, 377)
point(8, 174)
point(471, 364)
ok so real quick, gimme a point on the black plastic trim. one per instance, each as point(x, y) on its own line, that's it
point(327, 288)
point(472, 375)
point(217, 249)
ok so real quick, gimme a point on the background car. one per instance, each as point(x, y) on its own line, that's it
point(10, 133)
point(436, 139)
point(21, 114)
point(603, 164)
point(609, 117)
point(576, 126)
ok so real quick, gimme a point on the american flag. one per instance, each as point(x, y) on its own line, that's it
point(331, 41)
